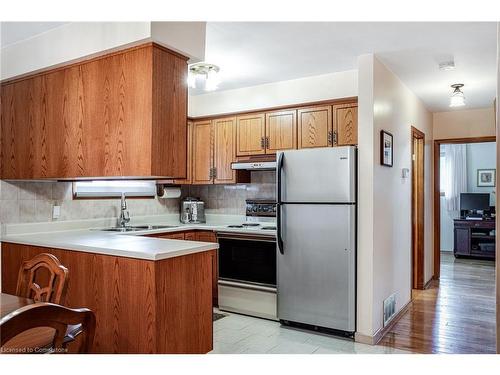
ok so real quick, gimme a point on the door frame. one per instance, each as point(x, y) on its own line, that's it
point(437, 192)
point(417, 208)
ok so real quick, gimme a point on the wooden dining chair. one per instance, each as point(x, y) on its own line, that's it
point(59, 318)
point(44, 268)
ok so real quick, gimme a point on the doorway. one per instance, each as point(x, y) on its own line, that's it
point(417, 207)
point(437, 192)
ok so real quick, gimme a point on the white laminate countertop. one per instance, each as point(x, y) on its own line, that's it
point(129, 244)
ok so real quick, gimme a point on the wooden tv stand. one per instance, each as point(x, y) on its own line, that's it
point(474, 238)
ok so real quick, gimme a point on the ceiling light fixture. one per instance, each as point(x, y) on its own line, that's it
point(209, 73)
point(448, 65)
point(457, 98)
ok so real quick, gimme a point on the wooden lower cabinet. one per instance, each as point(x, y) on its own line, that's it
point(208, 236)
point(202, 236)
point(141, 306)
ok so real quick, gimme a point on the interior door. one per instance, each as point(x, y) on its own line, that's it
point(316, 268)
point(281, 131)
point(250, 133)
point(202, 152)
point(315, 127)
point(345, 124)
point(224, 149)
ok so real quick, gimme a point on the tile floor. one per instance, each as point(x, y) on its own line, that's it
point(239, 334)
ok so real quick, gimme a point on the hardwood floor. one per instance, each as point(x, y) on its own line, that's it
point(454, 315)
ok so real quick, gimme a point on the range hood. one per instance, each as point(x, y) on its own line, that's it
point(254, 165)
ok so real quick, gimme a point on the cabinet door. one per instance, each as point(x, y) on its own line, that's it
point(462, 241)
point(202, 152)
point(169, 236)
point(224, 149)
point(189, 171)
point(315, 127)
point(345, 124)
point(207, 236)
point(190, 236)
point(281, 131)
point(250, 133)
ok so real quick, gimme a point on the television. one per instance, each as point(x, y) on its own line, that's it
point(474, 201)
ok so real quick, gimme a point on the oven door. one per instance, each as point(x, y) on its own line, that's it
point(247, 259)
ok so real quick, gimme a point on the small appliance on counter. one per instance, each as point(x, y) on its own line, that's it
point(192, 211)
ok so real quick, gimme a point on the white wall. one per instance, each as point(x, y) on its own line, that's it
point(384, 233)
point(480, 156)
point(464, 123)
point(309, 89)
point(79, 39)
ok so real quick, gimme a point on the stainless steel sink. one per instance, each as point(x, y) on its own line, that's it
point(136, 228)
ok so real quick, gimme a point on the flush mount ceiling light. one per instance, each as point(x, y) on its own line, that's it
point(448, 65)
point(457, 98)
point(204, 73)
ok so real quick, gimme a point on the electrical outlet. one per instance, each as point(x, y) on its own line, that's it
point(389, 308)
point(56, 212)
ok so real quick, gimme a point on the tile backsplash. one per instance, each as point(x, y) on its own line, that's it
point(230, 199)
point(25, 202)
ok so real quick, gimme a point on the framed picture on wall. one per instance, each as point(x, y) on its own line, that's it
point(486, 177)
point(386, 148)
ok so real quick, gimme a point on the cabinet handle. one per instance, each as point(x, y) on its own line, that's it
point(330, 138)
point(262, 143)
point(335, 137)
point(215, 172)
point(211, 173)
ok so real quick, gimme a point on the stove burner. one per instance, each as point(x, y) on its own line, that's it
point(235, 226)
point(250, 224)
point(268, 228)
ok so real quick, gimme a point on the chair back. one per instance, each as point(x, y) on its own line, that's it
point(53, 316)
point(44, 268)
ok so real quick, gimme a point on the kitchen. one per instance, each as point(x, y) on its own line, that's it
point(190, 222)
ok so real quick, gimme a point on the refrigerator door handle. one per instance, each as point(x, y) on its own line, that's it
point(279, 239)
point(279, 167)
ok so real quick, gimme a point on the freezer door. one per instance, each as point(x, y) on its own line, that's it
point(316, 271)
point(318, 175)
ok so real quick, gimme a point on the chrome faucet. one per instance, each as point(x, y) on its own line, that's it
point(124, 214)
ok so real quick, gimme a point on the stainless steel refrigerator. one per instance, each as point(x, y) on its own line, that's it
point(316, 237)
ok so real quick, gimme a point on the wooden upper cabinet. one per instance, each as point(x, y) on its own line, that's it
point(281, 131)
point(315, 127)
point(250, 134)
point(189, 171)
point(224, 149)
point(117, 115)
point(345, 124)
point(202, 152)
